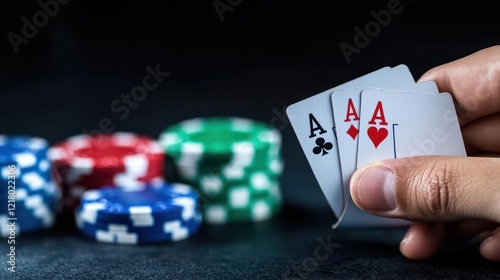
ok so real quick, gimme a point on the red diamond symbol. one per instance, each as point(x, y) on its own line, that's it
point(353, 132)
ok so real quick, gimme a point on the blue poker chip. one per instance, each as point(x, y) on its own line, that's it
point(25, 178)
point(25, 151)
point(37, 207)
point(36, 186)
point(24, 159)
point(140, 214)
point(153, 214)
point(48, 191)
point(135, 219)
point(33, 225)
point(12, 171)
point(32, 211)
point(171, 231)
point(155, 225)
point(111, 202)
point(40, 208)
point(25, 173)
point(159, 227)
point(26, 221)
point(24, 142)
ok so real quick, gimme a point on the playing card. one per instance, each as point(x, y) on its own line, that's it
point(346, 104)
point(420, 87)
point(313, 124)
point(397, 124)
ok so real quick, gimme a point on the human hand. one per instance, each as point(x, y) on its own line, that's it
point(449, 198)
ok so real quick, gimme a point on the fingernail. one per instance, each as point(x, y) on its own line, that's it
point(375, 189)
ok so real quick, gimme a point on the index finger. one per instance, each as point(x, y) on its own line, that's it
point(473, 81)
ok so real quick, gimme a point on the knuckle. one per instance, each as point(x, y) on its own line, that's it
point(435, 189)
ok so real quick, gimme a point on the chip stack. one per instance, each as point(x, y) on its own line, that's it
point(234, 163)
point(29, 199)
point(159, 213)
point(121, 159)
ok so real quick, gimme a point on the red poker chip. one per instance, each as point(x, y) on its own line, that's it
point(73, 175)
point(122, 180)
point(121, 159)
point(119, 151)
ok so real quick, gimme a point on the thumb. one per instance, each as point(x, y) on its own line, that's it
point(430, 188)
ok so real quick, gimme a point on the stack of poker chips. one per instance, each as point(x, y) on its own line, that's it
point(159, 213)
point(30, 200)
point(234, 163)
point(85, 162)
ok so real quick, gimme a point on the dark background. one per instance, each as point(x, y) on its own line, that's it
point(262, 57)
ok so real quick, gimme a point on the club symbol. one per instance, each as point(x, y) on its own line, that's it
point(322, 146)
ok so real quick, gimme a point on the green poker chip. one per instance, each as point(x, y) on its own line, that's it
point(212, 185)
point(197, 174)
point(232, 141)
point(235, 164)
point(233, 194)
point(242, 206)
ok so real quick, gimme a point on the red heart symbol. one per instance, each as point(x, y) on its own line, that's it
point(377, 135)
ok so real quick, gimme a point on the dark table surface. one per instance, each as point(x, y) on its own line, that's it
point(264, 56)
point(297, 244)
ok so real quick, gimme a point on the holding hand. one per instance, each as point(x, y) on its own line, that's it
point(449, 198)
